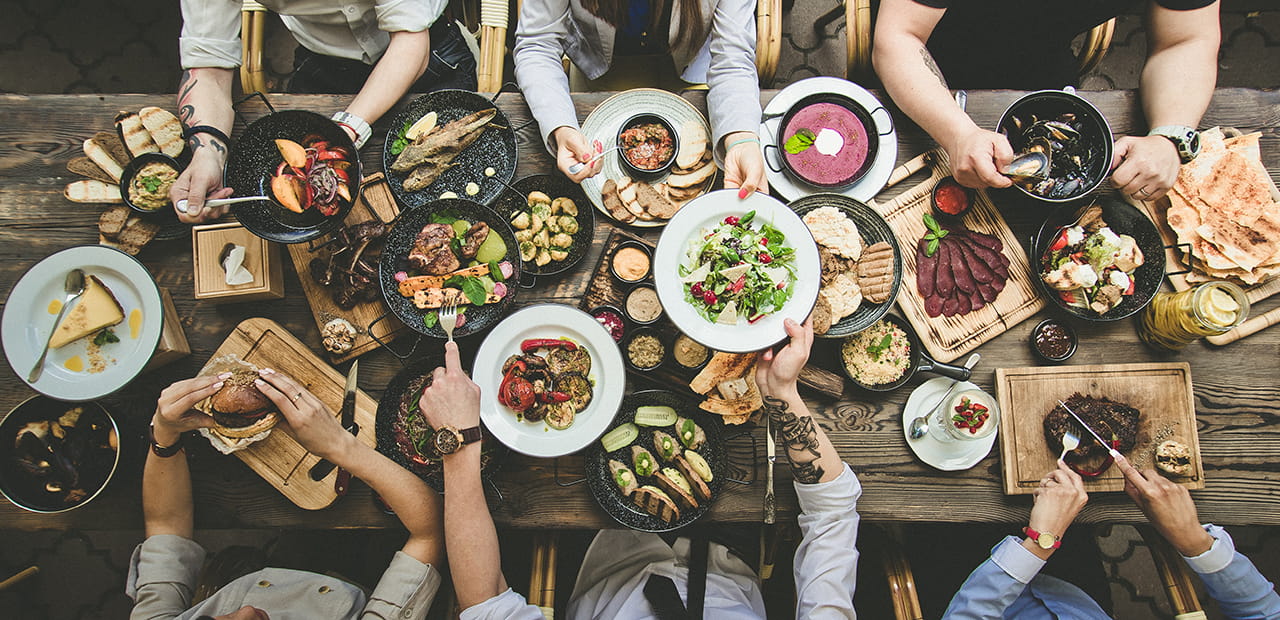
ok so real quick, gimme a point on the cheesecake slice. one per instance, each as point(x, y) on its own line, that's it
point(96, 309)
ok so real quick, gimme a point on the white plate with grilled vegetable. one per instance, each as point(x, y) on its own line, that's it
point(661, 465)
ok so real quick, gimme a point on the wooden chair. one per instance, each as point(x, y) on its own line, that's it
point(253, 26)
point(542, 578)
point(859, 15)
point(1175, 575)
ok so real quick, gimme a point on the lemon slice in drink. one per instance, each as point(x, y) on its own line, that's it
point(1219, 308)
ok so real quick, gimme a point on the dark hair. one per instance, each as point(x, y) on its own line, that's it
point(205, 618)
point(690, 34)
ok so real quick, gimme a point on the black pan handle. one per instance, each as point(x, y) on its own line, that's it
point(259, 94)
point(887, 115)
point(1185, 247)
point(387, 345)
point(766, 158)
point(928, 364)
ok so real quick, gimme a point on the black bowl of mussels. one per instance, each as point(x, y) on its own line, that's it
point(1071, 132)
point(56, 456)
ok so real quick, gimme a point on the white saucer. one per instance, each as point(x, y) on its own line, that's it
point(947, 456)
point(886, 153)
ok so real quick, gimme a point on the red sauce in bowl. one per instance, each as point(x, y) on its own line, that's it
point(648, 146)
point(950, 197)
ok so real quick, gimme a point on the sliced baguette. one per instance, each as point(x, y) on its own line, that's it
point(135, 136)
point(92, 191)
point(99, 154)
point(164, 128)
point(111, 141)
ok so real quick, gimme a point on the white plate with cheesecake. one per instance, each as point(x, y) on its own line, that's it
point(104, 339)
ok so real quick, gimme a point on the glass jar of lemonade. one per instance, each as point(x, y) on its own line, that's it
point(1174, 320)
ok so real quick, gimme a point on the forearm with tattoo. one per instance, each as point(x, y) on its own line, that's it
point(932, 65)
point(799, 436)
point(203, 90)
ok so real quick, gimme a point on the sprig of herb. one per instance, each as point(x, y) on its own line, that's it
point(799, 142)
point(934, 236)
point(151, 183)
point(398, 145)
point(877, 349)
point(105, 336)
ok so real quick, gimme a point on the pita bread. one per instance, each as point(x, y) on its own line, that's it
point(721, 368)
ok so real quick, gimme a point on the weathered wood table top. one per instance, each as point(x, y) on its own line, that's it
point(1237, 387)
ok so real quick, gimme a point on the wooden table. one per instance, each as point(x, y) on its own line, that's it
point(1237, 387)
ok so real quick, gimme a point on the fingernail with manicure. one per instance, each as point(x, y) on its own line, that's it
point(224, 376)
point(218, 385)
point(259, 382)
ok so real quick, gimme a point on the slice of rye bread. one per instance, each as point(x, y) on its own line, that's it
point(104, 159)
point(654, 202)
point(112, 221)
point(136, 235)
point(110, 141)
point(85, 167)
point(618, 210)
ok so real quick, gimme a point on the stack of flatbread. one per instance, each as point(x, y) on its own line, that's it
point(150, 130)
point(1224, 206)
point(628, 200)
point(728, 382)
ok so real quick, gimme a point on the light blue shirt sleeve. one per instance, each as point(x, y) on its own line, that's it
point(826, 563)
point(506, 606)
point(996, 583)
point(1233, 581)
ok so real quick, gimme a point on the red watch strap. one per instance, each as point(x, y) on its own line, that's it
point(1034, 535)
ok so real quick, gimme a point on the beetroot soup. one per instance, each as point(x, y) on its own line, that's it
point(832, 147)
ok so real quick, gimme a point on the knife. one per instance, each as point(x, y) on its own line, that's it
point(768, 534)
point(1115, 454)
point(347, 418)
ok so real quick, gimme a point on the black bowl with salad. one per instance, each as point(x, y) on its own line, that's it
point(450, 251)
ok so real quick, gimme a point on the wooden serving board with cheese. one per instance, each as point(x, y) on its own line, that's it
point(1178, 261)
point(377, 202)
point(279, 458)
point(1161, 392)
point(605, 290)
point(949, 337)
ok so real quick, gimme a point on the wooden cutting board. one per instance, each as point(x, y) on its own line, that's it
point(1160, 391)
point(947, 338)
point(605, 290)
point(375, 201)
point(279, 458)
point(1156, 209)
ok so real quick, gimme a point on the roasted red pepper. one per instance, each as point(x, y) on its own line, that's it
point(1094, 473)
point(533, 344)
point(552, 397)
point(518, 394)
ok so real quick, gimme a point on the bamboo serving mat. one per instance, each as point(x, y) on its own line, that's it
point(375, 201)
point(1155, 209)
point(605, 290)
point(279, 458)
point(947, 338)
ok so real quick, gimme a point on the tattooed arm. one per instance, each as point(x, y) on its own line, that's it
point(204, 98)
point(917, 86)
point(813, 458)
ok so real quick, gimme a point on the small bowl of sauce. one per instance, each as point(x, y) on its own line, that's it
point(643, 306)
point(950, 198)
point(644, 350)
point(1054, 341)
point(689, 353)
point(611, 319)
point(631, 262)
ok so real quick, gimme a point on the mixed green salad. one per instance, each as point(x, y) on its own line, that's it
point(734, 270)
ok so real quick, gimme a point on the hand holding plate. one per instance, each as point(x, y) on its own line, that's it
point(744, 164)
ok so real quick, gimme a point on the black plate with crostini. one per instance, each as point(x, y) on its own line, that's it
point(666, 467)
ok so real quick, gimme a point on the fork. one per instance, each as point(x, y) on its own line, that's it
point(1070, 441)
point(449, 318)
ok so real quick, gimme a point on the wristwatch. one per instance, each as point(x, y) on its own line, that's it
point(356, 124)
point(1045, 540)
point(448, 439)
point(1187, 139)
point(164, 452)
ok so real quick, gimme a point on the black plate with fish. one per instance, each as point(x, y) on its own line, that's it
point(56, 456)
point(401, 241)
point(403, 435)
point(1123, 219)
point(555, 185)
point(873, 229)
point(253, 162)
point(495, 148)
point(1074, 133)
point(606, 492)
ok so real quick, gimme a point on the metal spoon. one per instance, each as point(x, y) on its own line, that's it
point(73, 286)
point(218, 202)
point(576, 168)
point(920, 425)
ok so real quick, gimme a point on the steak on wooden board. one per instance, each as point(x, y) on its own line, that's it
point(1107, 417)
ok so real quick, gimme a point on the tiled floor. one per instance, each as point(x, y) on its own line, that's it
point(85, 46)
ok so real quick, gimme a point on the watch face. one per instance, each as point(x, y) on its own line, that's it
point(446, 441)
point(1194, 144)
point(1045, 540)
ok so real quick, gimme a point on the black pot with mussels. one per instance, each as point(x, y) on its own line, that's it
point(1071, 131)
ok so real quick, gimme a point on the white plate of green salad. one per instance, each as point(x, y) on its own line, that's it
point(729, 271)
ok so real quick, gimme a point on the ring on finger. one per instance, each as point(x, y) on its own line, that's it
point(295, 398)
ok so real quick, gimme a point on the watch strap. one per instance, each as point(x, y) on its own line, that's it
point(164, 452)
point(1035, 537)
point(1185, 139)
point(357, 125)
point(471, 435)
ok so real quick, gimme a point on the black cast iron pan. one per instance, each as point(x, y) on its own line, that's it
point(920, 362)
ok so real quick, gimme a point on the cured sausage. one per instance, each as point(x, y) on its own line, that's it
point(944, 283)
point(926, 270)
point(960, 260)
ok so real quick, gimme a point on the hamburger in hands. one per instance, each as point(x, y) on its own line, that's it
point(239, 408)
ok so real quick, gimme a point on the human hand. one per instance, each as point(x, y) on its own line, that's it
point(1169, 508)
point(776, 373)
point(744, 165)
point(976, 157)
point(1058, 500)
point(572, 148)
point(453, 399)
point(202, 180)
point(175, 410)
point(1144, 167)
point(314, 425)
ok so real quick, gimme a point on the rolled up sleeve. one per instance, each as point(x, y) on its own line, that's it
point(506, 606)
point(162, 576)
point(733, 97)
point(542, 38)
point(1233, 581)
point(210, 34)
point(407, 15)
point(406, 590)
point(826, 563)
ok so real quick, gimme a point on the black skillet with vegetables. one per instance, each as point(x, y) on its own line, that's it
point(660, 466)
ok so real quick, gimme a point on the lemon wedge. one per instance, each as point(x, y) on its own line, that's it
point(422, 127)
point(1219, 308)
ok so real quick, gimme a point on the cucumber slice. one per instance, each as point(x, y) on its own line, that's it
point(620, 437)
point(655, 415)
